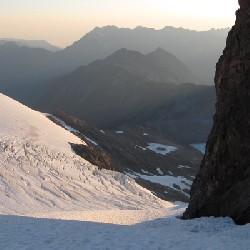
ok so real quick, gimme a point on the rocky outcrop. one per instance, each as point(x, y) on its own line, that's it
point(222, 186)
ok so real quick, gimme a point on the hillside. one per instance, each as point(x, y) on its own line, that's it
point(154, 159)
point(25, 70)
point(128, 87)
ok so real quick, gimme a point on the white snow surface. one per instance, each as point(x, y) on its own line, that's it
point(39, 172)
point(18, 120)
point(119, 132)
point(52, 199)
point(165, 180)
point(160, 148)
point(159, 171)
point(62, 123)
point(183, 166)
point(21, 233)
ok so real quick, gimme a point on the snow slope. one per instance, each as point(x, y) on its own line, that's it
point(168, 233)
point(18, 121)
point(52, 199)
point(39, 172)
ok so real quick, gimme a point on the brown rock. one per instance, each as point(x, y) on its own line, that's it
point(243, 3)
point(222, 185)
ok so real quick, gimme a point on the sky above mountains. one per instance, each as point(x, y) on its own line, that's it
point(63, 21)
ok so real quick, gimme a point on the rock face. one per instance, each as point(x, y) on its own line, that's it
point(222, 185)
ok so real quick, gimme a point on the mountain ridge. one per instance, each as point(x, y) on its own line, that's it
point(198, 50)
point(128, 87)
point(181, 42)
point(43, 44)
point(116, 75)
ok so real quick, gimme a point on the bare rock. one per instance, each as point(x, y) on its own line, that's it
point(222, 185)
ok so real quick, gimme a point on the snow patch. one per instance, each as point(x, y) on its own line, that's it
point(169, 181)
point(159, 171)
point(137, 146)
point(119, 132)
point(91, 141)
point(178, 183)
point(161, 148)
point(183, 166)
point(145, 172)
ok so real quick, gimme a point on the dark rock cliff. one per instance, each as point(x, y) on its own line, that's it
point(222, 185)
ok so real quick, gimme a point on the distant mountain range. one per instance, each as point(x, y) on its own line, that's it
point(95, 78)
point(128, 87)
point(199, 50)
point(42, 44)
point(25, 66)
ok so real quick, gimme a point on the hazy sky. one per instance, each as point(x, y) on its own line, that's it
point(63, 21)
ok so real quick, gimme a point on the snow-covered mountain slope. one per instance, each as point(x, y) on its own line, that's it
point(19, 121)
point(70, 204)
point(39, 172)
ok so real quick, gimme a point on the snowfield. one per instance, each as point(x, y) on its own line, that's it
point(18, 121)
point(160, 234)
point(40, 173)
point(50, 198)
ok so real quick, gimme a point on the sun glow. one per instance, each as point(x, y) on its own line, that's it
point(63, 21)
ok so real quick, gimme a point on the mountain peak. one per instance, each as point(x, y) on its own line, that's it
point(160, 50)
point(107, 27)
point(125, 53)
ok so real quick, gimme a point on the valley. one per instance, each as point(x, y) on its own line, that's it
point(121, 139)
